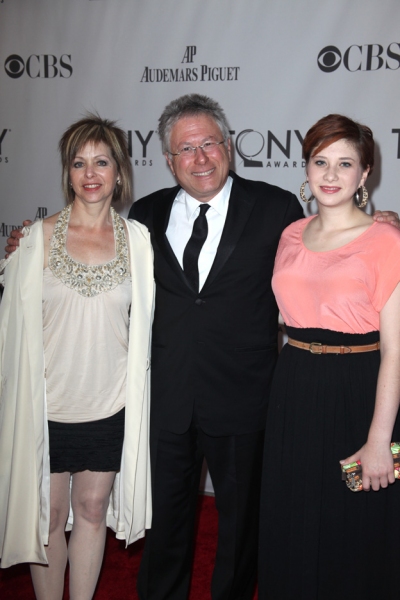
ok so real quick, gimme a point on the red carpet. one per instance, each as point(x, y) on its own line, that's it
point(120, 567)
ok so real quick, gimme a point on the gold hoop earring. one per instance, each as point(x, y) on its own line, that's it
point(361, 197)
point(303, 195)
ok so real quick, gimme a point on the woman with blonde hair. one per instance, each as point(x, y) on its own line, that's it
point(75, 323)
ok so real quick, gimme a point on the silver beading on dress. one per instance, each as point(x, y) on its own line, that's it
point(88, 280)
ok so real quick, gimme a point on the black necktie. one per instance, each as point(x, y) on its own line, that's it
point(193, 247)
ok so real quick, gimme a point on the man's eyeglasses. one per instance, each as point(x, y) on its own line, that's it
point(207, 148)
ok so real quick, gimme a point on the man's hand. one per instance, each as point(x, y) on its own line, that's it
point(13, 240)
point(387, 216)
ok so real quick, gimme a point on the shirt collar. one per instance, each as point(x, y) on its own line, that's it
point(220, 202)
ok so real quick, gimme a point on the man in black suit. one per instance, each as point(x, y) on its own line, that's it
point(214, 348)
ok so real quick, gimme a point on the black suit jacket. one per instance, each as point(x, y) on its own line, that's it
point(214, 352)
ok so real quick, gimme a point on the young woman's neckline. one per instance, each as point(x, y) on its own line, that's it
point(309, 219)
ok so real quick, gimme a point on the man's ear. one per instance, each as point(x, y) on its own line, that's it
point(170, 164)
point(229, 146)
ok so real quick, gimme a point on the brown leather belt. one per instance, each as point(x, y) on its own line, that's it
point(317, 348)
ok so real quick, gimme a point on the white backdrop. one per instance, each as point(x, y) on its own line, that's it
point(276, 66)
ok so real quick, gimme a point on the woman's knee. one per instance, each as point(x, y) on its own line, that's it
point(59, 500)
point(58, 518)
point(90, 507)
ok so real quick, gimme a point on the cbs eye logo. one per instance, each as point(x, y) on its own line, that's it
point(368, 57)
point(14, 66)
point(329, 59)
point(45, 66)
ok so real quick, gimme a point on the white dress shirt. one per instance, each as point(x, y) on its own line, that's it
point(185, 210)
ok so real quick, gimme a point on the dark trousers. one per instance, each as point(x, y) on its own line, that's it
point(234, 463)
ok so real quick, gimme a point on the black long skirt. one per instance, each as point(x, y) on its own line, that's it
point(319, 540)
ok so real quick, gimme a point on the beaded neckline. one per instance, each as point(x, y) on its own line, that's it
point(88, 280)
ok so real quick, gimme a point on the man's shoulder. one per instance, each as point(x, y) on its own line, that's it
point(269, 198)
point(280, 207)
point(262, 188)
point(158, 195)
point(141, 207)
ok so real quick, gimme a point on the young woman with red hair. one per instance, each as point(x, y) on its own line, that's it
point(336, 389)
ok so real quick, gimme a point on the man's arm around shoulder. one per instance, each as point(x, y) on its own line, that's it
point(13, 240)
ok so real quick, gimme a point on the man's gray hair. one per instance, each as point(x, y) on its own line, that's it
point(190, 105)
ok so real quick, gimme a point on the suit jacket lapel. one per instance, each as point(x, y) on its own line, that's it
point(161, 216)
point(240, 207)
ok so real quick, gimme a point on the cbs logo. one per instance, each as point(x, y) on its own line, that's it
point(369, 57)
point(46, 66)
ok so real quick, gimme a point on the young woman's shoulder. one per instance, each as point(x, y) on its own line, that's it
point(296, 227)
point(386, 233)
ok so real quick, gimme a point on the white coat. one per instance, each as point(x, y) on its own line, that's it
point(24, 448)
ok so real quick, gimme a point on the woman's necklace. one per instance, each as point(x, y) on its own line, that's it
point(88, 280)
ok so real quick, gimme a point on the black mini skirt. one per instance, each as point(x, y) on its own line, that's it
point(92, 446)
